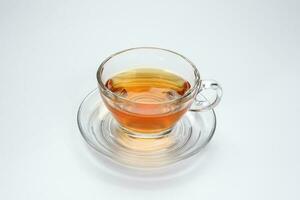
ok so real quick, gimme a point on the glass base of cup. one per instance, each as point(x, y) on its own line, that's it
point(118, 137)
point(155, 135)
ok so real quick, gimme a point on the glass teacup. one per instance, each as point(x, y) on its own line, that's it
point(148, 90)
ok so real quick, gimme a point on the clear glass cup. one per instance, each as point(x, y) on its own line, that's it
point(154, 119)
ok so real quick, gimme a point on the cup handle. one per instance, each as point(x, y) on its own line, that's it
point(204, 102)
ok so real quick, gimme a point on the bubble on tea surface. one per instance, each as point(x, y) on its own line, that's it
point(109, 84)
point(171, 94)
point(121, 92)
point(118, 91)
point(185, 87)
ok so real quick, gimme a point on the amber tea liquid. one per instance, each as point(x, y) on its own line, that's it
point(150, 92)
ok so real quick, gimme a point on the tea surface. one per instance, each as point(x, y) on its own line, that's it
point(148, 85)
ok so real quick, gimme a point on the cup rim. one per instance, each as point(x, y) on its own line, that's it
point(105, 89)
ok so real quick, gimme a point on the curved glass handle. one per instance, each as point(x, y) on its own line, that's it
point(204, 102)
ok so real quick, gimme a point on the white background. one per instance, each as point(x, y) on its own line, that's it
point(49, 54)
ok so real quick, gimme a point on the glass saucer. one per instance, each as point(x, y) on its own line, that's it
point(102, 133)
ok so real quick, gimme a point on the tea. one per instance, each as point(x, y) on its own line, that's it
point(150, 93)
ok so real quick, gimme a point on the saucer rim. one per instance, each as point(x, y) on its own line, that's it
point(115, 160)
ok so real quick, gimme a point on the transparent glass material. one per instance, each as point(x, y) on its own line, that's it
point(188, 133)
point(158, 114)
point(102, 133)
